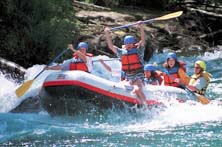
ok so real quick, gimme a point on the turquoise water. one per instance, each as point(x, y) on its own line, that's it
point(177, 124)
point(40, 130)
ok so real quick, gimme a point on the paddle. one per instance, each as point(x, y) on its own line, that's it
point(113, 59)
point(200, 98)
point(165, 17)
point(25, 86)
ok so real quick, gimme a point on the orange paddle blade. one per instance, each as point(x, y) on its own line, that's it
point(203, 99)
point(169, 16)
point(23, 88)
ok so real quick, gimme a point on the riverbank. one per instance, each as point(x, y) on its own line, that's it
point(184, 34)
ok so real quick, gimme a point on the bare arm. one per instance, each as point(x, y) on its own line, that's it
point(142, 33)
point(105, 65)
point(109, 40)
point(80, 54)
point(184, 78)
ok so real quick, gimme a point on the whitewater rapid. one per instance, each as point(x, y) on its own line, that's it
point(174, 114)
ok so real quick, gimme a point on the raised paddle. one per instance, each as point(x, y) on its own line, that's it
point(200, 98)
point(165, 17)
point(25, 86)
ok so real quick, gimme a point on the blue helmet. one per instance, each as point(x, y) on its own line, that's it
point(149, 67)
point(172, 55)
point(129, 39)
point(82, 44)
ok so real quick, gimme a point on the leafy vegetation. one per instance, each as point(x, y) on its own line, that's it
point(150, 4)
point(35, 30)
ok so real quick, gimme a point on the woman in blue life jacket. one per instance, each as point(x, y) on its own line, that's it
point(152, 76)
point(175, 71)
point(81, 59)
point(131, 55)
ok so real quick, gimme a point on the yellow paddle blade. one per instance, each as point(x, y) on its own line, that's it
point(203, 99)
point(169, 16)
point(23, 88)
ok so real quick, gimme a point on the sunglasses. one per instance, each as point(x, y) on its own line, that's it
point(197, 67)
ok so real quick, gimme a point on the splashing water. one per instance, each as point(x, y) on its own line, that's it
point(176, 124)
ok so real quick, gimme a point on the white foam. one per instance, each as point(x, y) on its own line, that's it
point(212, 55)
point(173, 115)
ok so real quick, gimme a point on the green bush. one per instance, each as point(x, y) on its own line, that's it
point(35, 30)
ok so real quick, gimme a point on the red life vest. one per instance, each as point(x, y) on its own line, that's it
point(79, 64)
point(131, 62)
point(169, 79)
point(158, 75)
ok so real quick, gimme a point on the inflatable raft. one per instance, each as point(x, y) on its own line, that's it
point(71, 92)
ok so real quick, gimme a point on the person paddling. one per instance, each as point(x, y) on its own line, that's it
point(175, 72)
point(81, 59)
point(200, 79)
point(152, 77)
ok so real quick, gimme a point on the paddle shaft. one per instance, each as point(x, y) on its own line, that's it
point(56, 58)
point(25, 86)
point(182, 85)
point(165, 17)
point(202, 99)
point(105, 60)
point(129, 25)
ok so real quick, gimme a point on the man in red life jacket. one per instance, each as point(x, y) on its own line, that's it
point(131, 55)
point(81, 59)
point(175, 72)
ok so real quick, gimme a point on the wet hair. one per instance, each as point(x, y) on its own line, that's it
point(153, 74)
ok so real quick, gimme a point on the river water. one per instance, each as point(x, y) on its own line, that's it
point(178, 124)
